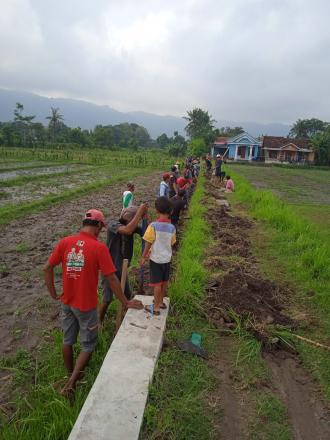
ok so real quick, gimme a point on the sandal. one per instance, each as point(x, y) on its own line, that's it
point(151, 310)
point(162, 306)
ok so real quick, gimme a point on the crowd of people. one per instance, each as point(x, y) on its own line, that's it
point(220, 177)
point(83, 257)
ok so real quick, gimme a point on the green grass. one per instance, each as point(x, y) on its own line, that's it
point(176, 408)
point(94, 156)
point(41, 413)
point(294, 185)
point(271, 421)
point(303, 252)
point(22, 247)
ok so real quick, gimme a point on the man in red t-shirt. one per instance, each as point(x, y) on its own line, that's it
point(82, 257)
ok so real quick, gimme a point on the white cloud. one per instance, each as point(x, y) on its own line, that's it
point(243, 59)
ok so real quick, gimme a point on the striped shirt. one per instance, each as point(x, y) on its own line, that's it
point(162, 235)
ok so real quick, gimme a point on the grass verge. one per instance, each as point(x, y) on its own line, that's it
point(41, 413)
point(176, 407)
point(303, 252)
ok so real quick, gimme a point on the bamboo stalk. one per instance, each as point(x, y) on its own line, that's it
point(317, 344)
point(120, 311)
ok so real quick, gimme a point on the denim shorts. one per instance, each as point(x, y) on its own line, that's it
point(75, 321)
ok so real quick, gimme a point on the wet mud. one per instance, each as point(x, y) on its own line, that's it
point(27, 311)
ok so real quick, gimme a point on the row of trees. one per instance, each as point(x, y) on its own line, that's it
point(24, 131)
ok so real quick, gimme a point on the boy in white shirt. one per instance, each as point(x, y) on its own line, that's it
point(160, 236)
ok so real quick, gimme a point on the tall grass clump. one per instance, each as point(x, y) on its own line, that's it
point(303, 251)
point(176, 408)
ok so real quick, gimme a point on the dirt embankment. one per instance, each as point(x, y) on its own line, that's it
point(27, 311)
point(238, 290)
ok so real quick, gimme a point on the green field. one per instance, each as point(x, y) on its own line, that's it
point(307, 190)
point(33, 179)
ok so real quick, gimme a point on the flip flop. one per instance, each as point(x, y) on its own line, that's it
point(153, 312)
point(163, 306)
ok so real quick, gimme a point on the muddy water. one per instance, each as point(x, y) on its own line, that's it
point(34, 190)
point(6, 175)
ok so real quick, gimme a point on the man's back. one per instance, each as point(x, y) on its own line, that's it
point(82, 257)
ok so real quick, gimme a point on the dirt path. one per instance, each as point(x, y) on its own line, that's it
point(27, 312)
point(232, 423)
point(308, 415)
point(238, 287)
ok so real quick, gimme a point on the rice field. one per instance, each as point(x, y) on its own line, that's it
point(306, 190)
point(37, 178)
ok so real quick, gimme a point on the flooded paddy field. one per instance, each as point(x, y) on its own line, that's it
point(7, 174)
point(70, 177)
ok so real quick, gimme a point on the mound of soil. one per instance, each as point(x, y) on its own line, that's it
point(248, 296)
point(237, 287)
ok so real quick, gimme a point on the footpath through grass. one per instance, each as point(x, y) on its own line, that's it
point(303, 252)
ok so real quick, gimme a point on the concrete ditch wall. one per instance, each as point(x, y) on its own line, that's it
point(115, 404)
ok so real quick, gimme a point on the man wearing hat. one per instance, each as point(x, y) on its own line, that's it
point(120, 243)
point(82, 257)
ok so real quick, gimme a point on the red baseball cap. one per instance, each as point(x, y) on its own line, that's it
point(94, 214)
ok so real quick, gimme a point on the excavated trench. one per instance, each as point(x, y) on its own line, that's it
point(238, 290)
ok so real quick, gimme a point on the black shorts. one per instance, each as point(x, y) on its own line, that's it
point(159, 273)
point(218, 172)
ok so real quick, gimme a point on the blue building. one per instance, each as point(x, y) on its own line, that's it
point(238, 148)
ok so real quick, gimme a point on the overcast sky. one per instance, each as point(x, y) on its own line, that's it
point(243, 60)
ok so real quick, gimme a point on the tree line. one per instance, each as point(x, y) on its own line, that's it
point(23, 131)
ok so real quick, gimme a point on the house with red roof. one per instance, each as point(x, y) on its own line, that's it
point(276, 149)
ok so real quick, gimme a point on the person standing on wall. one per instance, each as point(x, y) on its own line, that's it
point(82, 257)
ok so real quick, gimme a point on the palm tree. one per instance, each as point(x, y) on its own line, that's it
point(55, 120)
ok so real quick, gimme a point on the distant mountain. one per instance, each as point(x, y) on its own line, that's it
point(86, 115)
